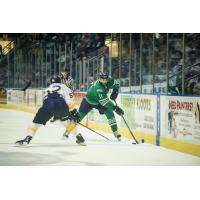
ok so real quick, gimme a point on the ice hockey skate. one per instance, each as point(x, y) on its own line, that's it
point(65, 136)
point(118, 136)
point(80, 140)
point(24, 142)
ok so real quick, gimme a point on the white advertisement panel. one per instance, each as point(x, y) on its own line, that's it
point(180, 118)
point(15, 97)
point(140, 112)
point(31, 97)
point(9, 96)
point(39, 97)
point(20, 97)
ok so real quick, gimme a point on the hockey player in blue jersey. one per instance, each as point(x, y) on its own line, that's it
point(58, 102)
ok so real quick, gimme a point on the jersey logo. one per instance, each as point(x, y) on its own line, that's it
point(54, 88)
point(103, 102)
point(99, 90)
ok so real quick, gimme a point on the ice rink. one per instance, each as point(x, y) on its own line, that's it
point(47, 147)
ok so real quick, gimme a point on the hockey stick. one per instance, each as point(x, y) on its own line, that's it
point(26, 86)
point(136, 141)
point(94, 131)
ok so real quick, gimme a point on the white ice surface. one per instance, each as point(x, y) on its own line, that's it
point(47, 148)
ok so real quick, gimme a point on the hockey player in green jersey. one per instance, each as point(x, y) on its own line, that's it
point(97, 98)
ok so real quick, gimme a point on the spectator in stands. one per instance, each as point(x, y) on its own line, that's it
point(192, 57)
point(1, 51)
point(196, 89)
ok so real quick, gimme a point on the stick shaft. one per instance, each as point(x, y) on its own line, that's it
point(129, 129)
point(94, 131)
point(127, 126)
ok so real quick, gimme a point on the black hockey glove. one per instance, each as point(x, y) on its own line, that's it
point(114, 95)
point(101, 109)
point(74, 115)
point(118, 110)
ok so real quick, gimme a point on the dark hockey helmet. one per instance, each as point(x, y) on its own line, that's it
point(103, 75)
point(55, 79)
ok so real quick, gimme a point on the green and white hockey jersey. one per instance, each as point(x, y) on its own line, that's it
point(97, 93)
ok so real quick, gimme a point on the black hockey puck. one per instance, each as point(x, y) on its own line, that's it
point(134, 143)
point(142, 140)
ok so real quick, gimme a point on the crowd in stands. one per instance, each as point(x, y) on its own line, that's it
point(175, 46)
point(83, 43)
point(3, 76)
point(87, 45)
point(1, 52)
point(191, 63)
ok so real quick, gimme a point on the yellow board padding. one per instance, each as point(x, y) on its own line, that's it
point(3, 99)
point(19, 107)
point(180, 145)
point(149, 138)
